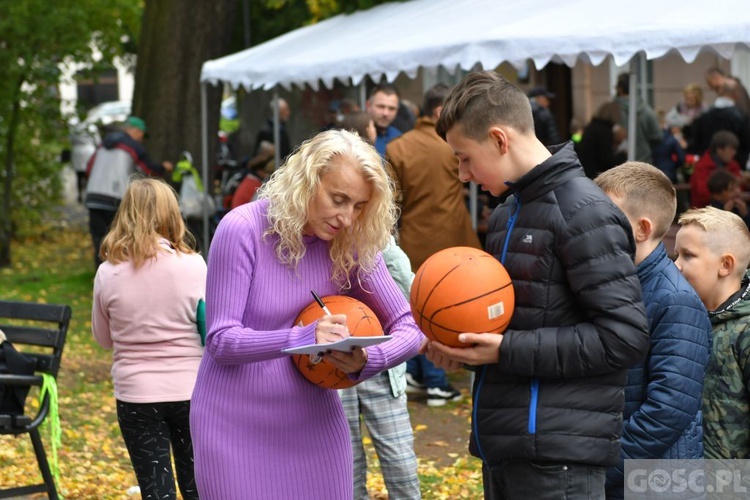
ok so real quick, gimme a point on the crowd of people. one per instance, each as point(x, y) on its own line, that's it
point(688, 142)
point(614, 351)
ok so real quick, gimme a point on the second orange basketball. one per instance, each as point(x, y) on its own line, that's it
point(461, 289)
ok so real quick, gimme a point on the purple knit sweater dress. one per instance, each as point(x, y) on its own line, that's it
point(260, 430)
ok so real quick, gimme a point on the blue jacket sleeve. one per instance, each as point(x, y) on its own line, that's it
point(675, 369)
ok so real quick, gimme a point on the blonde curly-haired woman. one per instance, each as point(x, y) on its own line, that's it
point(261, 430)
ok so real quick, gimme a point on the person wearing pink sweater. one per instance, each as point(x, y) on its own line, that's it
point(260, 429)
point(146, 295)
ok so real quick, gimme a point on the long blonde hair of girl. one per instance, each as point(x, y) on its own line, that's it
point(149, 211)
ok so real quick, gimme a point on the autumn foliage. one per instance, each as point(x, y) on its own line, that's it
point(57, 267)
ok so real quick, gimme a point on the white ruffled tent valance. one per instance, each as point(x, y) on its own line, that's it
point(401, 37)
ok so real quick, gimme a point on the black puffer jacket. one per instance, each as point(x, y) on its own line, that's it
point(579, 322)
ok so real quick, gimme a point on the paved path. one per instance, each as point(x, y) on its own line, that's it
point(71, 212)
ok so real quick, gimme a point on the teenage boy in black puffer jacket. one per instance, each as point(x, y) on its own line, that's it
point(548, 394)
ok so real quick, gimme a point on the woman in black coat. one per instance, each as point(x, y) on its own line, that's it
point(600, 140)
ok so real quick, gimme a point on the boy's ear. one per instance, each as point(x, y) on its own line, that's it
point(644, 229)
point(500, 137)
point(728, 265)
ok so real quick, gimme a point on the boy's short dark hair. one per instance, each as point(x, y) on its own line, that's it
point(434, 98)
point(722, 139)
point(721, 180)
point(387, 89)
point(645, 192)
point(481, 100)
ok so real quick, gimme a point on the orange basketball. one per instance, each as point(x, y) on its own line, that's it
point(461, 289)
point(361, 322)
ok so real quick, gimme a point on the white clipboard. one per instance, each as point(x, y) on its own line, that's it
point(341, 345)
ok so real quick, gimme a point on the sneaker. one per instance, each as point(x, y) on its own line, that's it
point(438, 396)
point(414, 386)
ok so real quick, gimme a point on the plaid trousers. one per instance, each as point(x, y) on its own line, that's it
point(387, 421)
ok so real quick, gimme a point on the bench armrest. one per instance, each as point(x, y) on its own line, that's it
point(29, 380)
point(24, 380)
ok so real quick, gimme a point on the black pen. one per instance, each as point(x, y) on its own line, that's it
point(320, 303)
point(325, 310)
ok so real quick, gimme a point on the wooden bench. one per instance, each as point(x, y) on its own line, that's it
point(39, 332)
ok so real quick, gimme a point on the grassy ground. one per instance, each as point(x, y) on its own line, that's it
point(56, 267)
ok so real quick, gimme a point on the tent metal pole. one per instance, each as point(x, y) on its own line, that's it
point(632, 106)
point(207, 185)
point(362, 94)
point(643, 77)
point(276, 129)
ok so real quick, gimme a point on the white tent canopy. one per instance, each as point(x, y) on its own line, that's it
point(404, 36)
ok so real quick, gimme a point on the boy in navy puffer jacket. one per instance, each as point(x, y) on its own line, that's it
point(662, 417)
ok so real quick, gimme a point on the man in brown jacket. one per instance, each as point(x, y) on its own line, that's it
point(433, 216)
point(433, 208)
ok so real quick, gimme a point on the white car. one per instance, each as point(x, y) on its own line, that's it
point(107, 113)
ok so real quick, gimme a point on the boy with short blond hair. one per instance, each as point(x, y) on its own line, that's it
point(713, 252)
point(662, 413)
point(640, 192)
point(548, 393)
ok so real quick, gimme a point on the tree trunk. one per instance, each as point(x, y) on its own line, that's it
point(6, 221)
point(176, 39)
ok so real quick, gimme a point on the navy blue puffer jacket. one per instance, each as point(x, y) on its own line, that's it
point(663, 394)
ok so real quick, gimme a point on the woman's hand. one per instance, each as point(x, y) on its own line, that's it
point(331, 329)
point(348, 362)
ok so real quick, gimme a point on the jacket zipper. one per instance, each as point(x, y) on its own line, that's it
point(509, 227)
point(533, 404)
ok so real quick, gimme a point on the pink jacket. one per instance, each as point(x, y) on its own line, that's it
point(148, 317)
